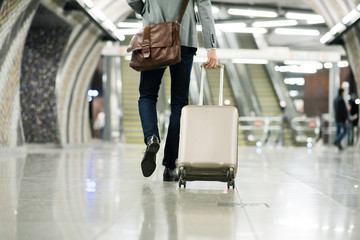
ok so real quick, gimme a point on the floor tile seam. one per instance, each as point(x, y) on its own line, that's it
point(244, 209)
point(348, 177)
point(247, 215)
point(318, 192)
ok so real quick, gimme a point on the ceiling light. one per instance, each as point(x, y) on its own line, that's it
point(316, 21)
point(88, 3)
point(250, 61)
point(327, 36)
point(295, 81)
point(129, 31)
point(351, 17)
point(297, 31)
point(328, 65)
point(130, 24)
point(314, 64)
point(252, 13)
point(294, 93)
point(295, 69)
point(241, 29)
point(309, 17)
point(225, 27)
point(342, 64)
point(109, 25)
point(279, 23)
point(93, 93)
point(338, 28)
point(119, 35)
point(99, 14)
point(215, 10)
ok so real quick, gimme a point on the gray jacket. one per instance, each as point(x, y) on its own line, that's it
point(156, 11)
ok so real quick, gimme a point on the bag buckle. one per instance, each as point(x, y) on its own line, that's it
point(146, 49)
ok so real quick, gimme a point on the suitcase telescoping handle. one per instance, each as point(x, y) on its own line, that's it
point(203, 73)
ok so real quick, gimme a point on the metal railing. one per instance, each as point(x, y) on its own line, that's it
point(328, 129)
point(259, 130)
point(305, 130)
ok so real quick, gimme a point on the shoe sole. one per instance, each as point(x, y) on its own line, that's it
point(148, 164)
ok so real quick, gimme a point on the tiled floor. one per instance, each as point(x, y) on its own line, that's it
point(98, 192)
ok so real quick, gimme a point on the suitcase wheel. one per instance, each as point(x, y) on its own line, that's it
point(182, 182)
point(231, 184)
point(182, 176)
point(231, 178)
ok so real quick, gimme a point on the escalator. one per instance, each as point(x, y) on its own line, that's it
point(261, 82)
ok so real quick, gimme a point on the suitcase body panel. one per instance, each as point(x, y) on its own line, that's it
point(208, 145)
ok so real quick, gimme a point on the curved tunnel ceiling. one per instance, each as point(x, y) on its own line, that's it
point(278, 3)
point(118, 11)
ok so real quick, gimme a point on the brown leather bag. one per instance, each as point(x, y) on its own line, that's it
point(157, 45)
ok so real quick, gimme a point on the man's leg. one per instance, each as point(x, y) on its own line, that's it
point(149, 87)
point(343, 133)
point(338, 131)
point(180, 80)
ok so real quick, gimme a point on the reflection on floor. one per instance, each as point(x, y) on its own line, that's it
point(98, 192)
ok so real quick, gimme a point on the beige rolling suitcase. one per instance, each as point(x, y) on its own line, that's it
point(208, 140)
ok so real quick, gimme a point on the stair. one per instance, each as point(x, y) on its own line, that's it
point(264, 90)
point(131, 120)
point(213, 77)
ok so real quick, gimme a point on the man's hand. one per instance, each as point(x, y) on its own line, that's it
point(212, 61)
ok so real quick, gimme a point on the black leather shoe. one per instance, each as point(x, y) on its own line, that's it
point(148, 163)
point(339, 146)
point(170, 175)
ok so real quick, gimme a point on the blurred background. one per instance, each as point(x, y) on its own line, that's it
point(65, 77)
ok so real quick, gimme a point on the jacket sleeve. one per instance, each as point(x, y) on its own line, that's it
point(207, 23)
point(136, 5)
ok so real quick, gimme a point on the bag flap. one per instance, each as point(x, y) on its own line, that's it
point(161, 35)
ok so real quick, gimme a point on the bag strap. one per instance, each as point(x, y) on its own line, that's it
point(146, 42)
point(182, 11)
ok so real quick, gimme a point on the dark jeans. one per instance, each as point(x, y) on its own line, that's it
point(149, 87)
point(341, 130)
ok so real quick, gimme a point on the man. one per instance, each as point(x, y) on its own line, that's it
point(156, 11)
point(354, 120)
point(341, 118)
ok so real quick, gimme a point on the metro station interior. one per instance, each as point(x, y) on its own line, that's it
point(71, 140)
